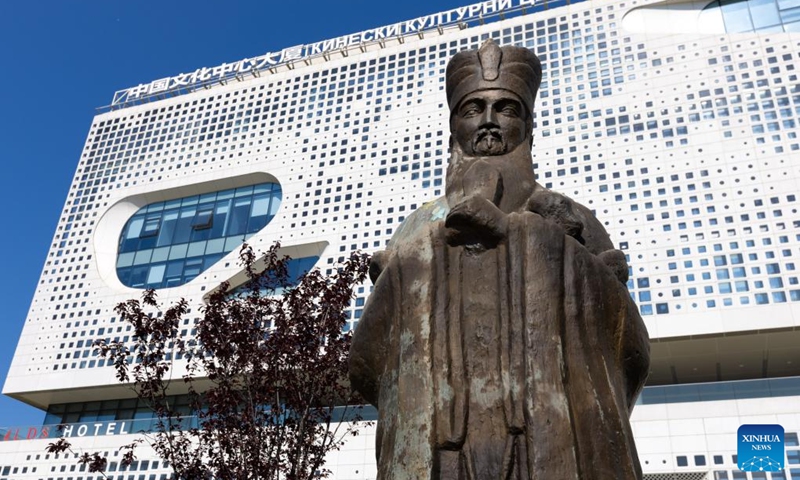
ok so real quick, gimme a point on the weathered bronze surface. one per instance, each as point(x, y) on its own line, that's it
point(500, 341)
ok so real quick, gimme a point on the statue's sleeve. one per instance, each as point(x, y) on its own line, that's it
point(576, 220)
point(594, 234)
point(634, 349)
point(368, 353)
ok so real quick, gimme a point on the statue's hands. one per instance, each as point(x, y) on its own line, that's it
point(558, 209)
point(377, 263)
point(565, 213)
point(615, 260)
point(476, 220)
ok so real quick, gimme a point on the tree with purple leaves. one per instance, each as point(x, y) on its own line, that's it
point(265, 374)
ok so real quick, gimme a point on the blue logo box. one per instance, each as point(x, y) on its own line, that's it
point(760, 448)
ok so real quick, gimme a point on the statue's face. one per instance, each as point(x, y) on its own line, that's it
point(490, 122)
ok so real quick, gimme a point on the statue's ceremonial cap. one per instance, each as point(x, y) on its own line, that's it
point(515, 69)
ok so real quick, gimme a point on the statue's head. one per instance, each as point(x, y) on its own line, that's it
point(490, 92)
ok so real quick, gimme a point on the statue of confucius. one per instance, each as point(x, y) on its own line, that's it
point(500, 341)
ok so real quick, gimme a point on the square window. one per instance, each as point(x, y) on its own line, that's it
point(773, 268)
point(203, 219)
point(744, 300)
point(150, 227)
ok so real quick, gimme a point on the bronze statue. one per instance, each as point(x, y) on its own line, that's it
point(500, 341)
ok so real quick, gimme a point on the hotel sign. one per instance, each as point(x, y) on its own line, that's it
point(88, 429)
point(255, 65)
point(27, 433)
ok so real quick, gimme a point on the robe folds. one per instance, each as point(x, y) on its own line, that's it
point(521, 361)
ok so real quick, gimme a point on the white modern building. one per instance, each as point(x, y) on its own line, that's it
point(676, 121)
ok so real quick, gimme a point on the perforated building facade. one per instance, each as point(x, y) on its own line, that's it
point(676, 122)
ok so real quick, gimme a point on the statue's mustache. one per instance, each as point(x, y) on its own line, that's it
point(483, 132)
point(489, 141)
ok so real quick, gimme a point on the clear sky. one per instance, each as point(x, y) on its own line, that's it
point(59, 60)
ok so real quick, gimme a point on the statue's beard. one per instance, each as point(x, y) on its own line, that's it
point(513, 169)
point(489, 142)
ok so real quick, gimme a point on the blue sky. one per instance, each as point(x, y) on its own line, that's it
point(62, 59)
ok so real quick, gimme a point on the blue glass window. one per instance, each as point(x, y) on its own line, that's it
point(167, 244)
point(740, 16)
point(736, 16)
point(296, 268)
point(773, 268)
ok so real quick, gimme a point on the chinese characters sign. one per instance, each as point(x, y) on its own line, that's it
point(203, 76)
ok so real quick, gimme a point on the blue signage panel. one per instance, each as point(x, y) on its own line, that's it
point(760, 448)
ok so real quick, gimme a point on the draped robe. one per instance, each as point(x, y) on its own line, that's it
point(521, 361)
